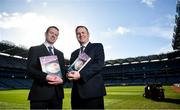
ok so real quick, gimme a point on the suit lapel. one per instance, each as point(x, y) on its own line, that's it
point(87, 47)
point(44, 50)
point(76, 53)
point(55, 51)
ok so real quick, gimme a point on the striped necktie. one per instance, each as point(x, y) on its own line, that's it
point(50, 50)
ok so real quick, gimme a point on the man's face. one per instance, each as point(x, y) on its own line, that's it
point(82, 35)
point(52, 35)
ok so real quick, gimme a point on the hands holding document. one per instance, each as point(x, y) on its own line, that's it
point(54, 79)
point(73, 75)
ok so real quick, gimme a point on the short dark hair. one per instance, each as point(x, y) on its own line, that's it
point(82, 27)
point(50, 28)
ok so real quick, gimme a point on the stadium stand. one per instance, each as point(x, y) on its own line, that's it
point(176, 34)
point(163, 69)
point(13, 73)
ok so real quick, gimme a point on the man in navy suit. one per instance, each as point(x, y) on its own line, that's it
point(47, 90)
point(88, 86)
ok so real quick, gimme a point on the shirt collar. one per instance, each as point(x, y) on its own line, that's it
point(48, 44)
point(85, 44)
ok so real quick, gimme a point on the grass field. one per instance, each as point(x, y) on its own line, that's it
point(118, 97)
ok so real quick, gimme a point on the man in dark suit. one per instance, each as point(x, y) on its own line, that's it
point(88, 86)
point(47, 90)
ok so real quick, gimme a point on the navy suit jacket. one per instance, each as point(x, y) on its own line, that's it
point(40, 89)
point(91, 82)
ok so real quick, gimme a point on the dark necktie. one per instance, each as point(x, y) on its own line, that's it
point(50, 50)
point(82, 49)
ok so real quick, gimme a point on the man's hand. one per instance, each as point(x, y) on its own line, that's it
point(73, 75)
point(54, 80)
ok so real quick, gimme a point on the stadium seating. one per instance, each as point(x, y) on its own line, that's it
point(162, 71)
point(13, 71)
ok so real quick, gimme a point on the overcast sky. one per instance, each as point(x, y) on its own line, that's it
point(126, 28)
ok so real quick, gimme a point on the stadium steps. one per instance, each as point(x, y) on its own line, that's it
point(5, 85)
point(10, 83)
point(26, 83)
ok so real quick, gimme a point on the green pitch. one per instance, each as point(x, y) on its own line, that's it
point(118, 97)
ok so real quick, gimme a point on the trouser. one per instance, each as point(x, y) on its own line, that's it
point(53, 103)
point(92, 103)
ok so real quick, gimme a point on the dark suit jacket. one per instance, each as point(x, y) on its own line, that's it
point(40, 89)
point(91, 83)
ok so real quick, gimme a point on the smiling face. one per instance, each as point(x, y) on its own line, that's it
point(82, 35)
point(52, 35)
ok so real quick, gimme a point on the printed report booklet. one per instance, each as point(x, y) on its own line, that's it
point(80, 62)
point(50, 65)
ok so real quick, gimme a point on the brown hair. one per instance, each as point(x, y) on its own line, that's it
point(82, 27)
point(51, 27)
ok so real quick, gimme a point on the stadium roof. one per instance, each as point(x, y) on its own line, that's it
point(142, 59)
point(9, 48)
